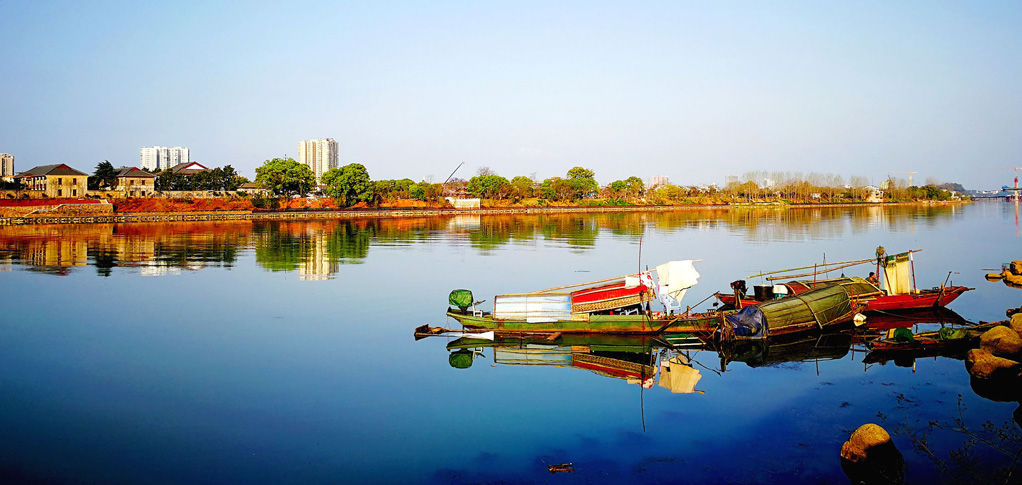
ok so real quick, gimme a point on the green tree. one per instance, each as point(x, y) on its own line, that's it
point(230, 179)
point(580, 173)
point(168, 180)
point(489, 186)
point(557, 189)
point(285, 177)
point(521, 187)
point(105, 175)
point(636, 186)
point(349, 184)
point(582, 182)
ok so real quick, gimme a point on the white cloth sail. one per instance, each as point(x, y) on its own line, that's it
point(675, 277)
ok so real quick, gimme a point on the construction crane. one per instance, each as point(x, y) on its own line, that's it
point(909, 177)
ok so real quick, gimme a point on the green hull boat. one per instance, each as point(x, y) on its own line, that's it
point(696, 323)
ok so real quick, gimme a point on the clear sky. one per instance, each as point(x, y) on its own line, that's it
point(692, 90)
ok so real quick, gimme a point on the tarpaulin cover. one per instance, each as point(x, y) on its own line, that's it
point(948, 333)
point(749, 322)
point(903, 335)
point(460, 298)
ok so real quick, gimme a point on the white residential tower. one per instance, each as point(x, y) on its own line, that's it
point(162, 158)
point(319, 154)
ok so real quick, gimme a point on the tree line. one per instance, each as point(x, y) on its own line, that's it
point(220, 179)
point(351, 184)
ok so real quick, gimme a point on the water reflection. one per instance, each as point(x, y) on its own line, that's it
point(673, 360)
point(317, 249)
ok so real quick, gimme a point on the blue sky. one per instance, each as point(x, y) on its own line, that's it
point(691, 90)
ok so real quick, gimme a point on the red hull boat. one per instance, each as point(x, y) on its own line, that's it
point(867, 294)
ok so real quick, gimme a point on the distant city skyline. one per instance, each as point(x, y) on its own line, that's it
point(692, 91)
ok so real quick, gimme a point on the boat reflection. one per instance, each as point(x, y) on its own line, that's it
point(630, 358)
point(672, 362)
point(677, 362)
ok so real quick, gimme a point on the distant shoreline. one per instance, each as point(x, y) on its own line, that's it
point(400, 212)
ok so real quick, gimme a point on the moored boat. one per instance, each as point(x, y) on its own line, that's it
point(622, 306)
point(898, 291)
point(949, 341)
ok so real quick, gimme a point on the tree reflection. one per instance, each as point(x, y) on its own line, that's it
point(317, 247)
point(348, 243)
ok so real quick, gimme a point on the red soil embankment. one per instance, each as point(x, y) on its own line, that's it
point(181, 205)
point(44, 202)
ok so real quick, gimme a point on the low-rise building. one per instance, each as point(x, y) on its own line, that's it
point(57, 180)
point(188, 168)
point(134, 182)
point(254, 189)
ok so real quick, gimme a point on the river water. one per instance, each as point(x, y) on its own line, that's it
point(283, 352)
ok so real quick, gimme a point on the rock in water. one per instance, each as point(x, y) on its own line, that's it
point(994, 367)
point(869, 456)
point(1016, 323)
point(975, 355)
point(867, 436)
point(1001, 341)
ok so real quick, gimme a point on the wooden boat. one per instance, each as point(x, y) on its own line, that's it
point(946, 341)
point(899, 291)
point(873, 298)
point(621, 306)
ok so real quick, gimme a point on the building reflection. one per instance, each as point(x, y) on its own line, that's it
point(316, 264)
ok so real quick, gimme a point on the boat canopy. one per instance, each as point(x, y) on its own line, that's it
point(812, 309)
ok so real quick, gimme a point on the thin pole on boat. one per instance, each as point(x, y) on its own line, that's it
point(814, 266)
point(644, 320)
point(912, 264)
point(814, 273)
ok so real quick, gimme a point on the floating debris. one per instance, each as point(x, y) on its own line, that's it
point(563, 467)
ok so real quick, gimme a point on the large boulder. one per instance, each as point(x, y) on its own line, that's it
point(974, 356)
point(994, 367)
point(869, 456)
point(1001, 341)
point(862, 439)
point(1016, 323)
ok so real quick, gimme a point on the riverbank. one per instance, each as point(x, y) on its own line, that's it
point(74, 214)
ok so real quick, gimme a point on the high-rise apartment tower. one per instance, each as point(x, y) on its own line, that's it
point(6, 165)
point(319, 154)
point(162, 158)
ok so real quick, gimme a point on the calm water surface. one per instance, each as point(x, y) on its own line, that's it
point(283, 352)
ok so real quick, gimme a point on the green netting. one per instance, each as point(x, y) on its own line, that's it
point(816, 308)
point(460, 298)
point(948, 333)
